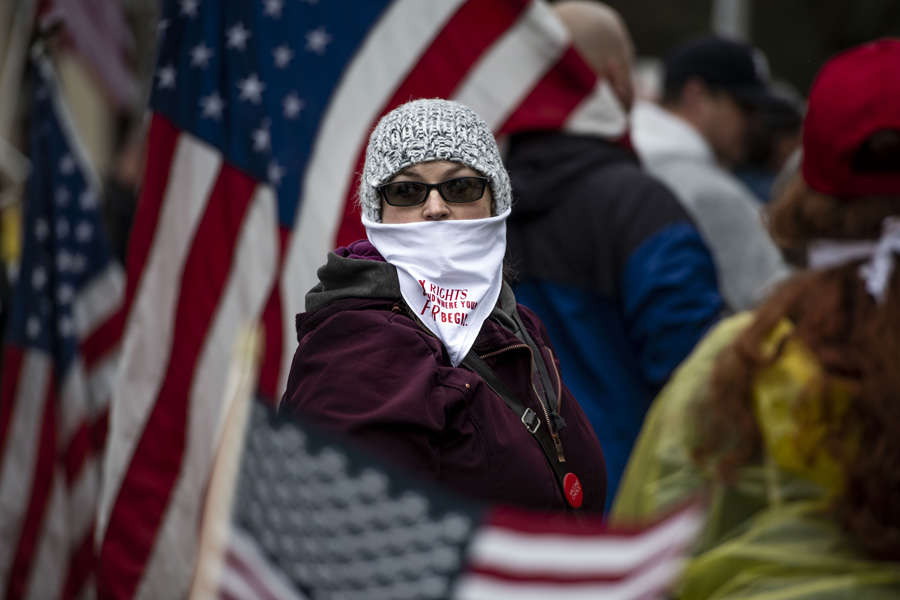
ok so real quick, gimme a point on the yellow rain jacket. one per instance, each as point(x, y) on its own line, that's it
point(769, 535)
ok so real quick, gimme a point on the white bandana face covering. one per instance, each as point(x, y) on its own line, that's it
point(450, 273)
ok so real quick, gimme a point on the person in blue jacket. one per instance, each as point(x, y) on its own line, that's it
point(604, 253)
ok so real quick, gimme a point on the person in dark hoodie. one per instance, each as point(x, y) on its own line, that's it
point(605, 254)
point(414, 345)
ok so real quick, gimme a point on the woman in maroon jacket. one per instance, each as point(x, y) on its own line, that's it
point(413, 344)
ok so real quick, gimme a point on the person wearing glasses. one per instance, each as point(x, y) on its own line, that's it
point(413, 344)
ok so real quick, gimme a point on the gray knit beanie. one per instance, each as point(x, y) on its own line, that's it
point(426, 130)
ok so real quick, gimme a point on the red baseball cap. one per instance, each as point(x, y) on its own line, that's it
point(856, 94)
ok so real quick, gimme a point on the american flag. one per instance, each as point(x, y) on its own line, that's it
point(260, 114)
point(56, 378)
point(295, 512)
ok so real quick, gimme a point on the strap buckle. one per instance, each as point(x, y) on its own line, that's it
point(531, 421)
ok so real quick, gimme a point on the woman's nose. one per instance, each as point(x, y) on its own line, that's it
point(435, 208)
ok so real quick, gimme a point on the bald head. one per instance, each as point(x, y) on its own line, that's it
point(601, 37)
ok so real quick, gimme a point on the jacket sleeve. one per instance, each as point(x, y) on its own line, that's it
point(364, 374)
point(670, 298)
point(668, 288)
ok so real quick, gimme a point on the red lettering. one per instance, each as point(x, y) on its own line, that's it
point(424, 307)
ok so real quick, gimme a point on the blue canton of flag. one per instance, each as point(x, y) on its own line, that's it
point(53, 407)
point(64, 246)
point(243, 77)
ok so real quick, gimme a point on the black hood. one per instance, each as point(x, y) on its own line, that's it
point(542, 164)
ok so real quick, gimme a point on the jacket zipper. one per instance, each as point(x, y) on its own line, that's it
point(557, 443)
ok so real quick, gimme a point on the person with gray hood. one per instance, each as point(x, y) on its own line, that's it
point(414, 345)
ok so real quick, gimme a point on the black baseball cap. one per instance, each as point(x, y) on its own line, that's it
point(720, 63)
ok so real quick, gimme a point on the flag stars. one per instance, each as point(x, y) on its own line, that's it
point(62, 196)
point(283, 55)
point(33, 327)
point(275, 173)
point(65, 293)
point(292, 105)
point(63, 261)
point(66, 326)
point(161, 27)
point(273, 7)
point(251, 89)
point(84, 232)
point(189, 8)
point(38, 278)
point(238, 36)
point(317, 40)
point(79, 263)
point(62, 228)
point(41, 229)
point(67, 164)
point(166, 77)
point(200, 56)
point(88, 199)
point(212, 106)
point(261, 138)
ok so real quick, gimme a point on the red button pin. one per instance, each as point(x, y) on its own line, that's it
point(572, 488)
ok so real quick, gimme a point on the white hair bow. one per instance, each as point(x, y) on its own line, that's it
point(876, 272)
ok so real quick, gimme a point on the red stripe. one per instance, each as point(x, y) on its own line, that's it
point(12, 367)
point(81, 565)
point(41, 488)
point(144, 494)
point(559, 91)
point(273, 326)
point(162, 138)
point(439, 71)
point(248, 574)
point(99, 430)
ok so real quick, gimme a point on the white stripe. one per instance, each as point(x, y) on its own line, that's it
point(514, 64)
point(83, 397)
point(148, 333)
point(170, 565)
point(74, 403)
point(275, 583)
point(648, 583)
point(52, 551)
point(600, 114)
point(101, 382)
point(20, 454)
point(99, 299)
point(82, 500)
point(609, 554)
point(403, 33)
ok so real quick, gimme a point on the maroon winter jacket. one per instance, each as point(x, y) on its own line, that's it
point(365, 367)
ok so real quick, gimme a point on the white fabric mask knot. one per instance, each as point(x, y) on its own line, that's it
point(450, 273)
point(876, 272)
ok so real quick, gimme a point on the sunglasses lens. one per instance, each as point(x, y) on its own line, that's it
point(463, 189)
point(404, 193)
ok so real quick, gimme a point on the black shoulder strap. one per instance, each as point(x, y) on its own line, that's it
point(531, 420)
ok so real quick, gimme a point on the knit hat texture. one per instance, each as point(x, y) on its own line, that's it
point(426, 130)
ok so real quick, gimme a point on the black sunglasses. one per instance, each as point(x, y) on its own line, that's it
point(410, 193)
